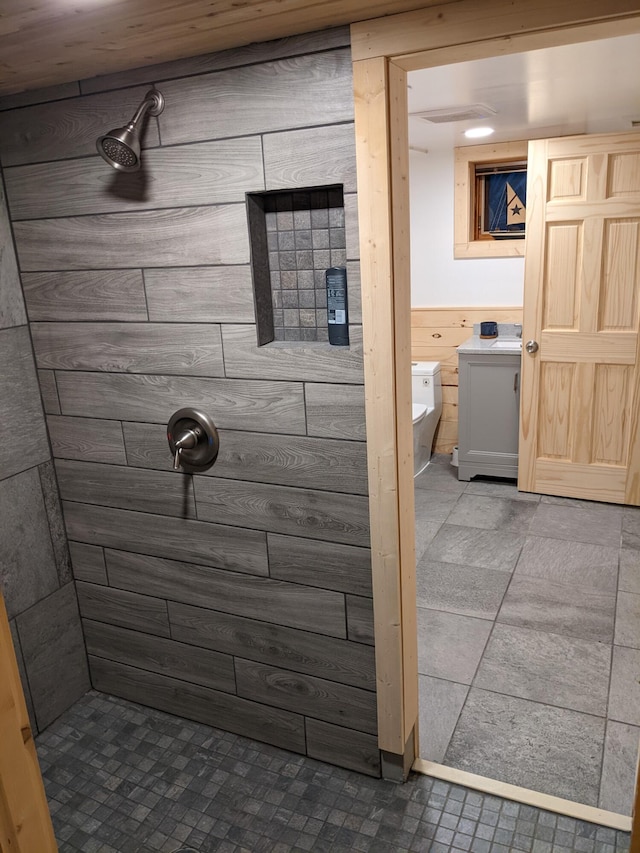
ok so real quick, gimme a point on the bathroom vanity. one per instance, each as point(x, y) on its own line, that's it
point(488, 407)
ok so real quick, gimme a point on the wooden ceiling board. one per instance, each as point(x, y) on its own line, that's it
point(49, 43)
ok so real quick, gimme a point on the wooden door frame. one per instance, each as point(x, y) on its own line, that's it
point(383, 51)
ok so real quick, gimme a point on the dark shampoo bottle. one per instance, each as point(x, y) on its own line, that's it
point(337, 308)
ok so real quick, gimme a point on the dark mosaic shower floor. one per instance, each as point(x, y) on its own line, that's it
point(126, 779)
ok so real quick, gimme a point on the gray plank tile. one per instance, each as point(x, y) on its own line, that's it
point(311, 362)
point(629, 579)
point(68, 128)
point(360, 627)
point(578, 503)
point(354, 291)
point(328, 565)
point(465, 590)
point(450, 646)
point(434, 508)
point(492, 513)
point(276, 407)
point(28, 570)
point(307, 90)
point(560, 608)
point(352, 232)
point(54, 654)
point(588, 566)
point(88, 439)
point(499, 490)
point(161, 655)
point(49, 391)
point(472, 547)
point(53, 509)
point(17, 648)
point(290, 648)
point(440, 705)
point(180, 538)
point(88, 563)
point(123, 608)
point(265, 599)
point(244, 55)
point(20, 404)
point(552, 750)
point(563, 671)
point(12, 311)
point(205, 173)
point(619, 768)
point(186, 349)
point(151, 238)
point(578, 524)
point(335, 411)
point(87, 295)
point(282, 509)
point(212, 707)
point(126, 488)
point(311, 157)
point(315, 697)
point(38, 96)
point(344, 747)
point(284, 460)
point(200, 294)
point(624, 696)
point(627, 631)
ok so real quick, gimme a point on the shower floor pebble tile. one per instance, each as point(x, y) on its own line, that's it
point(207, 791)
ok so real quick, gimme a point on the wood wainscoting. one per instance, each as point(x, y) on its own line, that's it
point(435, 334)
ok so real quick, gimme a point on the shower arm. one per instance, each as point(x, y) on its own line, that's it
point(153, 102)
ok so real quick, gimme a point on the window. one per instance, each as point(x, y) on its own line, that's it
point(490, 200)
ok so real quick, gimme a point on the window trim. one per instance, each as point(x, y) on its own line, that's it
point(464, 206)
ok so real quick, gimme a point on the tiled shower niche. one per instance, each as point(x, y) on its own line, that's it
point(295, 237)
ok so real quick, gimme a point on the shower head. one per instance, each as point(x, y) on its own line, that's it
point(121, 147)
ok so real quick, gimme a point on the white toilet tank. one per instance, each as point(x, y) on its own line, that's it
point(427, 409)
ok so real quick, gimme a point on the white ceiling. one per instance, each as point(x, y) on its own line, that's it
point(593, 87)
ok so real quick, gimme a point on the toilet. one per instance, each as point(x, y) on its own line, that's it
point(427, 409)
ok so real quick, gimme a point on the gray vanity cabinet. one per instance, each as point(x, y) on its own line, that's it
point(488, 411)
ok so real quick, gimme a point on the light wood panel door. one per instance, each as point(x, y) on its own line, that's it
point(579, 431)
point(25, 825)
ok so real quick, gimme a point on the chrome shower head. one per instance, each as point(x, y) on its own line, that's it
point(120, 147)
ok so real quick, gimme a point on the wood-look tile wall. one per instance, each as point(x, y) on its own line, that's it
point(240, 597)
point(35, 566)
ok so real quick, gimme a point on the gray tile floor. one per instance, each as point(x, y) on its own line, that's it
point(126, 779)
point(529, 636)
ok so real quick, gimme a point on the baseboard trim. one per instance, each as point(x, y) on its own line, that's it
point(523, 795)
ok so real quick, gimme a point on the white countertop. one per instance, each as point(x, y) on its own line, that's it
point(506, 345)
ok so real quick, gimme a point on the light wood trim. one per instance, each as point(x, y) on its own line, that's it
point(452, 25)
point(383, 404)
point(25, 824)
point(524, 795)
point(465, 160)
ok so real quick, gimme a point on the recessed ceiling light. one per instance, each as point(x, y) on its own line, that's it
point(478, 132)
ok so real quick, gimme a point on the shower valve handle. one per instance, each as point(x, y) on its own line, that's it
point(187, 440)
point(193, 440)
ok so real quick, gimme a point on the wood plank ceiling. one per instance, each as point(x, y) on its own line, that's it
point(49, 42)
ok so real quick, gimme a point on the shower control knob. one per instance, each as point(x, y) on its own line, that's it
point(531, 347)
point(193, 440)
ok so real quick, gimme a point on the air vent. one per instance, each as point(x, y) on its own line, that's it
point(448, 114)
